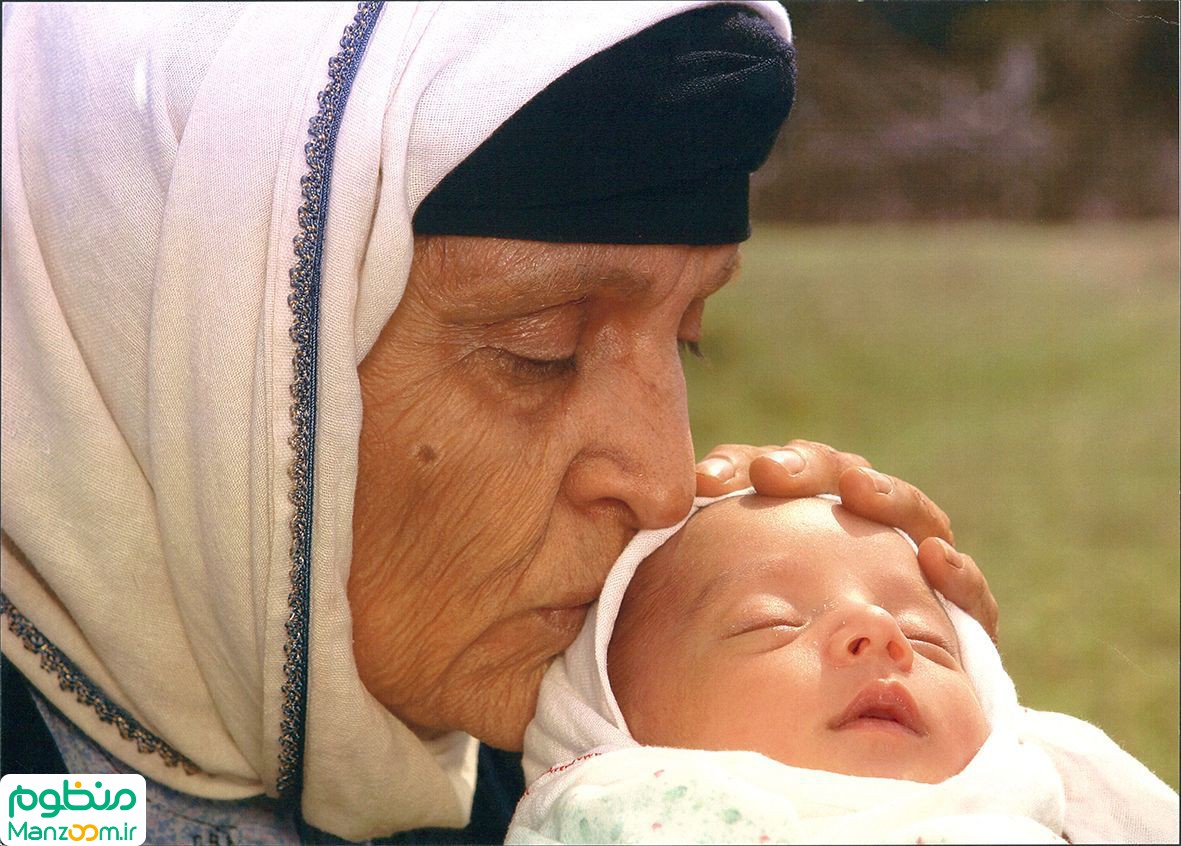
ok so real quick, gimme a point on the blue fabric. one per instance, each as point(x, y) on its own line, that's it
point(25, 743)
point(175, 817)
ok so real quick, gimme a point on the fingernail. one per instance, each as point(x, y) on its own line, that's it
point(950, 556)
point(790, 460)
point(881, 484)
point(719, 468)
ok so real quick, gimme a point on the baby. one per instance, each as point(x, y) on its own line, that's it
point(779, 671)
point(801, 631)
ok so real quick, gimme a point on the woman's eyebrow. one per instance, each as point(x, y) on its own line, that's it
point(530, 289)
point(536, 288)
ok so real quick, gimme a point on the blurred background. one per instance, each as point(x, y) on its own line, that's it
point(965, 267)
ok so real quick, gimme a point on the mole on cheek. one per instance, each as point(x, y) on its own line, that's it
point(426, 453)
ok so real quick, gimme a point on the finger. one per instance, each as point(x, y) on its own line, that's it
point(956, 576)
point(889, 500)
point(801, 468)
point(725, 469)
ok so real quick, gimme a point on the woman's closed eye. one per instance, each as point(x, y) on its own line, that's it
point(528, 369)
point(537, 347)
point(689, 333)
point(688, 347)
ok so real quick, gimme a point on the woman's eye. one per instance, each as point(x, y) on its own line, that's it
point(688, 347)
point(538, 369)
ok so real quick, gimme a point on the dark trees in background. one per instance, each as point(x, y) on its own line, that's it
point(1056, 110)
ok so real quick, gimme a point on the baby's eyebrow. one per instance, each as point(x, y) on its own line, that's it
point(704, 596)
point(723, 580)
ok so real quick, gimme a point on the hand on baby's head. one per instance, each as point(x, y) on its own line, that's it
point(796, 629)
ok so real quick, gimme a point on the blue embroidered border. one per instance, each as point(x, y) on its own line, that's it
point(73, 680)
point(304, 301)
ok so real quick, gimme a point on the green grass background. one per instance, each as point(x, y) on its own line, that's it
point(1024, 377)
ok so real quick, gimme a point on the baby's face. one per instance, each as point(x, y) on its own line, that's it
point(798, 630)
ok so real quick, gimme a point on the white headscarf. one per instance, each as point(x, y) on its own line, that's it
point(152, 166)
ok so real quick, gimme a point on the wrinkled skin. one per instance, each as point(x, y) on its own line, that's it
point(524, 416)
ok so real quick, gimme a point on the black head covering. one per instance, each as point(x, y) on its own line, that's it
point(651, 141)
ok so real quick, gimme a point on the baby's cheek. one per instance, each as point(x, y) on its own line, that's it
point(651, 692)
point(966, 723)
point(762, 703)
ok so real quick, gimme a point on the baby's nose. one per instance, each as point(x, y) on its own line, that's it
point(867, 632)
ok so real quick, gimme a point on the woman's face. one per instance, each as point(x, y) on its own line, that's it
point(524, 416)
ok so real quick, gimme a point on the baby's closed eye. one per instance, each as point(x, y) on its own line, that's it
point(759, 612)
point(774, 624)
point(765, 625)
point(934, 648)
point(766, 637)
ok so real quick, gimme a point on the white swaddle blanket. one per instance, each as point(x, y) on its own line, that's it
point(1038, 775)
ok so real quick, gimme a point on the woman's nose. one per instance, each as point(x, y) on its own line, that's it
point(869, 632)
point(637, 453)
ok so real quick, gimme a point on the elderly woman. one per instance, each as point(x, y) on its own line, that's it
point(287, 528)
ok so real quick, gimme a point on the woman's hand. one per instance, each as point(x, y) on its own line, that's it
point(806, 468)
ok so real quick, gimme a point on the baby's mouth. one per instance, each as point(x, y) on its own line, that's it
point(882, 705)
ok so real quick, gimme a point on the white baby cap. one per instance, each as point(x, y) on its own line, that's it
point(577, 712)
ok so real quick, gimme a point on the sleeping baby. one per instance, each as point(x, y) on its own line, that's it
point(778, 671)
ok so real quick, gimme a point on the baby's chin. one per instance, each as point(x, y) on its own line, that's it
point(887, 760)
point(921, 771)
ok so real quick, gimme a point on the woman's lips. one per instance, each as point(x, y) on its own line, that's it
point(882, 705)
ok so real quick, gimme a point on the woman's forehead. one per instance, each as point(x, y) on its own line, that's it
point(518, 272)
